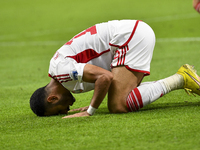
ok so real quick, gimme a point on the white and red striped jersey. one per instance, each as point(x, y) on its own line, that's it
point(92, 46)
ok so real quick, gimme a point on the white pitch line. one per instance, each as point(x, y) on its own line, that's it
point(32, 43)
point(30, 34)
point(60, 43)
point(70, 29)
point(37, 33)
point(172, 17)
point(184, 39)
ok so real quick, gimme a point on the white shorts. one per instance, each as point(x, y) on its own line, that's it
point(136, 53)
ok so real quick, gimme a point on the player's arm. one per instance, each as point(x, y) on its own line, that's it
point(102, 79)
point(196, 5)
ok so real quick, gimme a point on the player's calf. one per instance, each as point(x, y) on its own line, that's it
point(134, 100)
point(144, 94)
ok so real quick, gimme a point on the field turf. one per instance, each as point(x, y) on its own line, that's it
point(31, 32)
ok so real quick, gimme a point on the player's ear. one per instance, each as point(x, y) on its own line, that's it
point(52, 99)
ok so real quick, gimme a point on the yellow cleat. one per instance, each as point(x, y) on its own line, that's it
point(191, 79)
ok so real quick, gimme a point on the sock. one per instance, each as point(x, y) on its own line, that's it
point(144, 94)
point(148, 92)
point(173, 82)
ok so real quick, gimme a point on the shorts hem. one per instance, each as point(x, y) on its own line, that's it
point(146, 73)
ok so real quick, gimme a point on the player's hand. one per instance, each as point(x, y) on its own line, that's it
point(81, 114)
point(79, 109)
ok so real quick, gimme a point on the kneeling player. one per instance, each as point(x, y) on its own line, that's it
point(113, 58)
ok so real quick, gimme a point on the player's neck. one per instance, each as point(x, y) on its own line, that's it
point(54, 85)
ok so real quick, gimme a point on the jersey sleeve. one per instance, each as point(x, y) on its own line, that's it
point(66, 70)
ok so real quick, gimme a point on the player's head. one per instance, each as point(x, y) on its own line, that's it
point(37, 101)
point(44, 103)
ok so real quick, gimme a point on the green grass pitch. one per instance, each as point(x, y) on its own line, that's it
point(31, 32)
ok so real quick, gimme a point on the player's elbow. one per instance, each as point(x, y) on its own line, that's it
point(104, 80)
point(108, 78)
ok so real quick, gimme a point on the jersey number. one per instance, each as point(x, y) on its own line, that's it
point(92, 31)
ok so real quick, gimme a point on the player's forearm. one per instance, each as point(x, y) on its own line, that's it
point(102, 79)
point(102, 85)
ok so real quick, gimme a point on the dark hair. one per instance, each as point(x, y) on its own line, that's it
point(37, 101)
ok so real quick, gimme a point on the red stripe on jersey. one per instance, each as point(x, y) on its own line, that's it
point(59, 75)
point(61, 81)
point(64, 79)
point(92, 31)
point(61, 78)
point(133, 32)
point(87, 55)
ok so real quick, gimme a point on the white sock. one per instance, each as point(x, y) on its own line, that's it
point(173, 82)
point(144, 94)
point(149, 92)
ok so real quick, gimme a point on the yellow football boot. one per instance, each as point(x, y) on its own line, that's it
point(191, 79)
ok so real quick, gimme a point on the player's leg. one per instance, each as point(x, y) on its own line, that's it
point(123, 82)
point(148, 92)
point(130, 64)
point(125, 95)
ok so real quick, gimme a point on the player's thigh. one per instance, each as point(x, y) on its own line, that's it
point(124, 81)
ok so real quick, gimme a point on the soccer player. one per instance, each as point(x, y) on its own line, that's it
point(111, 57)
point(196, 5)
